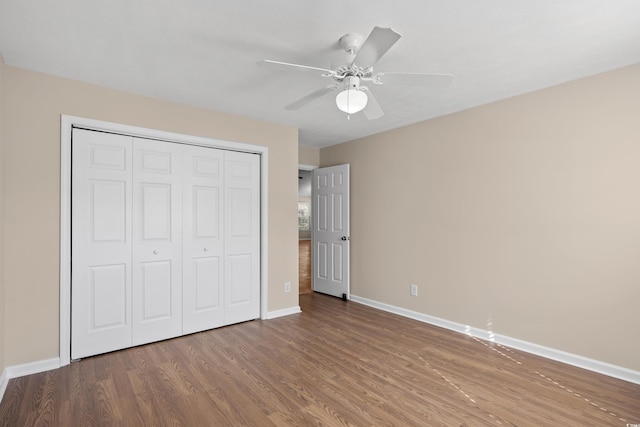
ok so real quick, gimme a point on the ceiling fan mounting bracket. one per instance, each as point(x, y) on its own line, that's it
point(351, 42)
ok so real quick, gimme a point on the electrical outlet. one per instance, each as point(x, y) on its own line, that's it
point(414, 290)
point(287, 286)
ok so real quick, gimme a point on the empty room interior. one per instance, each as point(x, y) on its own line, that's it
point(334, 213)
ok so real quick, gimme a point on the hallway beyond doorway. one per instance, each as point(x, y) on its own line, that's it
point(304, 266)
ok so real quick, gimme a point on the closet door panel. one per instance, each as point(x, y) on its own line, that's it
point(156, 288)
point(157, 241)
point(203, 239)
point(101, 243)
point(242, 237)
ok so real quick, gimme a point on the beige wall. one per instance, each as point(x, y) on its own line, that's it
point(521, 216)
point(309, 156)
point(2, 166)
point(34, 103)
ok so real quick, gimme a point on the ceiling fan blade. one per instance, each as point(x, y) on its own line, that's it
point(372, 111)
point(311, 97)
point(414, 79)
point(376, 45)
point(277, 65)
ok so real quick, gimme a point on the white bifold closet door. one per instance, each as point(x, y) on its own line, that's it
point(242, 237)
point(157, 241)
point(221, 242)
point(165, 240)
point(203, 244)
point(101, 243)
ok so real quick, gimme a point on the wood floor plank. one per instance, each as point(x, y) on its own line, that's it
point(335, 364)
point(107, 405)
point(304, 267)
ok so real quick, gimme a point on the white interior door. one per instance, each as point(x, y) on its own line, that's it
point(330, 204)
point(203, 249)
point(157, 240)
point(101, 243)
point(242, 237)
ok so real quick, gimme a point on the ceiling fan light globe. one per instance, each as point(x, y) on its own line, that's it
point(351, 101)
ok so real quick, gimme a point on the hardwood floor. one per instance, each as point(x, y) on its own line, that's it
point(337, 363)
point(304, 266)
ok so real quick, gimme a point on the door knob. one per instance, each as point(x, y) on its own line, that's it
point(206, 249)
point(344, 238)
point(155, 252)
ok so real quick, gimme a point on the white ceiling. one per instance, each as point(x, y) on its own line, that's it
point(204, 52)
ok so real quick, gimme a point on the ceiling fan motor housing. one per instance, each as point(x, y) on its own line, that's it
point(344, 66)
point(352, 82)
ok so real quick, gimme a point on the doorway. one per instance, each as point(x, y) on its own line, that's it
point(304, 232)
point(323, 230)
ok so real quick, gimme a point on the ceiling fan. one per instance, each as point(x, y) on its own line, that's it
point(349, 71)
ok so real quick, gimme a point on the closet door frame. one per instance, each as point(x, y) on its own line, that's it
point(66, 126)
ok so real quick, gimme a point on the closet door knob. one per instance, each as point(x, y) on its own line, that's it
point(155, 252)
point(206, 249)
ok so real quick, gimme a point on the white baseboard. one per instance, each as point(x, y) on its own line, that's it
point(539, 350)
point(26, 369)
point(283, 312)
point(33, 367)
